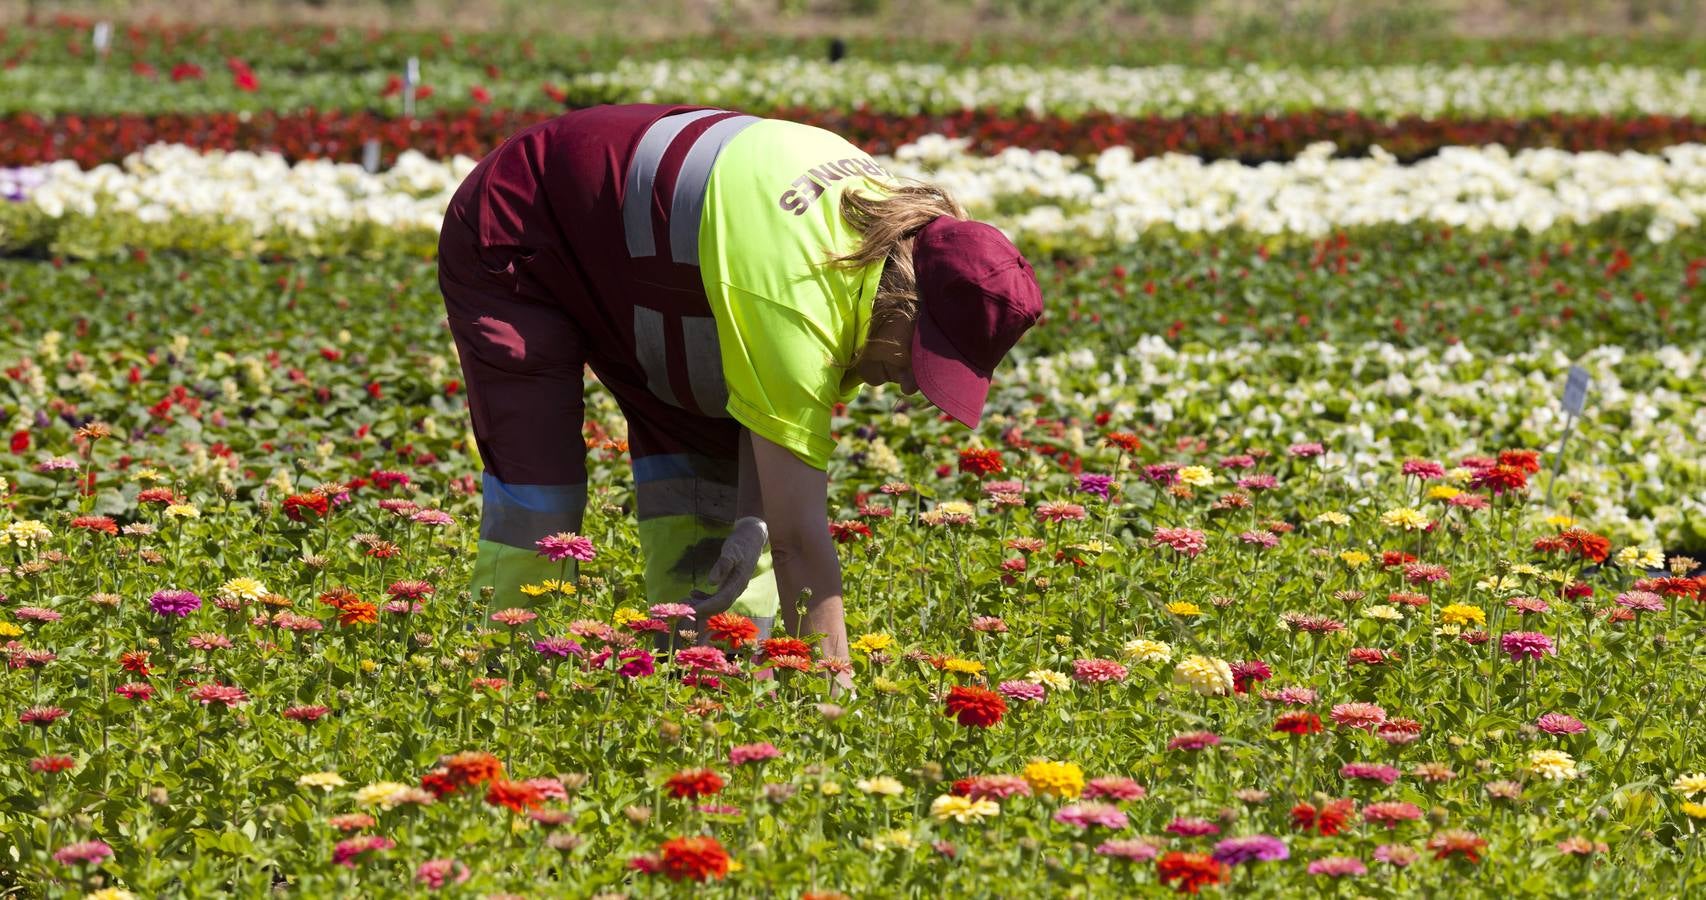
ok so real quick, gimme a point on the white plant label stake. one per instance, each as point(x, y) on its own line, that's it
point(411, 77)
point(370, 156)
point(1575, 396)
point(102, 38)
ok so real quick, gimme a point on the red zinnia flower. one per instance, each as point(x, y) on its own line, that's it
point(975, 707)
point(784, 646)
point(699, 858)
point(981, 462)
point(52, 764)
point(1456, 841)
point(517, 796)
point(1190, 870)
point(849, 532)
point(102, 524)
point(731, 628)
point(135, 661)
point(1500, 479)
point(474, 767)
point(1329, 820)
point(299, 506)
point(1526, 460)
point(1298, 723)
point(694, 783)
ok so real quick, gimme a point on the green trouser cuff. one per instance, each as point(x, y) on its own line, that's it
point(680, 550)
point(505, 569)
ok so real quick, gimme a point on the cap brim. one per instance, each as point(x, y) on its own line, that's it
point(946, 379)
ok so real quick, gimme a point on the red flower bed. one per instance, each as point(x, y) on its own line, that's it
point(90, 139)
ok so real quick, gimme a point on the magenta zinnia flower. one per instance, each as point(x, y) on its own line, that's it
point(636, 663)
point(671, 611)
point(1392, 812)
point(174, 603)
point(1254, 848)
point(1191, 827)
point(436, 873)
point(566, 545)
point(1521, 645)
point(346, 853)
point(224, 694)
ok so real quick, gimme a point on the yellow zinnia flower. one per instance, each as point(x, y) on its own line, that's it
point(183, 511)
point(873, 642)
point(1442, 492)
point(1355, 558)
point(1335, 518)
point(1694, 810)
point(1204, 674)
point(382, 794)
point(1049, 679)
point(963, 810)
point(1691, 785)
point(1462, 614)
point(1184, 608)
point(881, 785)
point(627, 614)
point(1196, 476)
point(322, 780)
point(963, 666)
point(1145, 650)
point(1405, 518)
point(244, 588)
point(1552, 765)
point(1055, 779)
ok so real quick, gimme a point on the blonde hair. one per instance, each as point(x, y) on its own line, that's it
point(888, 225)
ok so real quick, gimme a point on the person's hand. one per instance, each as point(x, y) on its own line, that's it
point(734, 567)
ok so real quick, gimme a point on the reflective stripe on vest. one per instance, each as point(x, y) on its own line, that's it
point(686, 204)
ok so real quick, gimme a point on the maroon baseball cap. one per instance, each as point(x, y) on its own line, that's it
point(977, 295)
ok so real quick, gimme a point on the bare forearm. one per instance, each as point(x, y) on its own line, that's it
point(813, 565)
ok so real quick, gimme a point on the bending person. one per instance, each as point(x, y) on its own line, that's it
point(730, 280)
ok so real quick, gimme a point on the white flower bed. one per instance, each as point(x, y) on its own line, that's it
point(1112, 197)
point(1383, 91)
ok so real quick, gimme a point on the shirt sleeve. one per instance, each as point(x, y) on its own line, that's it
point(781, 371)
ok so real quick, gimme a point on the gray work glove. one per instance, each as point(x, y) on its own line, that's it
point(733, 569)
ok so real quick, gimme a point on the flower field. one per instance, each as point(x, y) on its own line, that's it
point(1270, 571)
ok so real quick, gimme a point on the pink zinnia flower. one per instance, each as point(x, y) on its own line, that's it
point(346, 853)
point(1338, 867)
point(137, 691)
point(1396, 855)
point(1060, 511)
point(38, 614)
point(1113, 788)
point(436, 873)
point(705, 659)
point(1097, 671)
point(83, 853)
point(745, 753)
point(1391, 813)
point(671, 611)
point(433, 517)
point(1366, 716)
point(1190, 827)
point(42, 716)
point(1521, 645)
point(566, 545)
point(1131, 850)
point(1640, 601)
point(1559, 723)
point(224, 694)
point(1194, 740)
point(992, 787)
point(1306, 451)
point(1022, 690)
point(1363, 771)
point(1087, 815)
point(1424, 469)
point(514, 617)
point(1188, 541)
